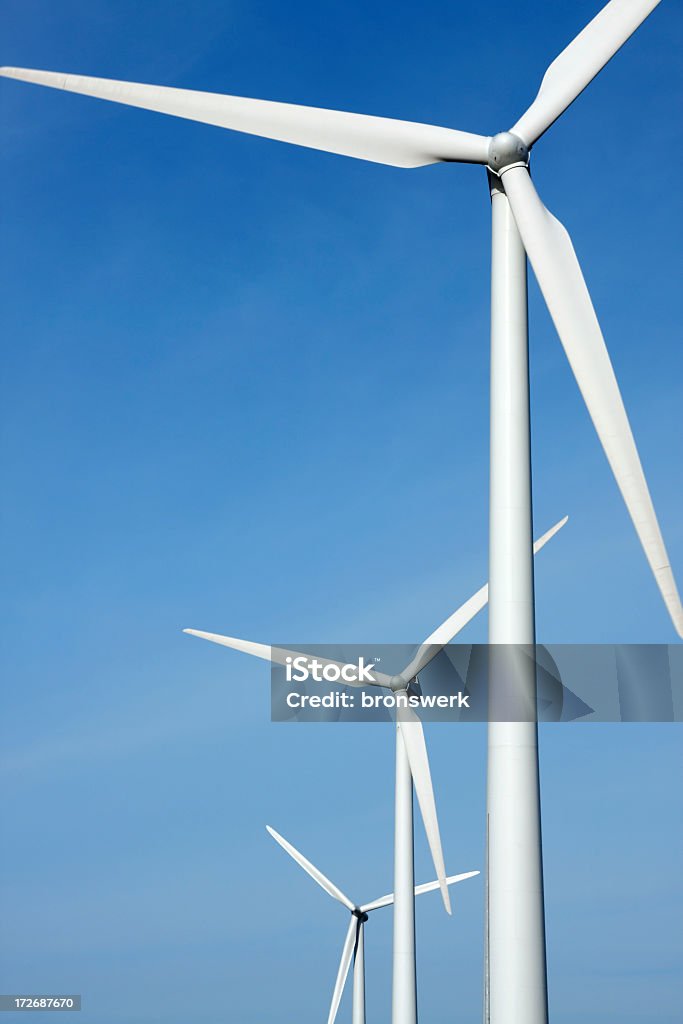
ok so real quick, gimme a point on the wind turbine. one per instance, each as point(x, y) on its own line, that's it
point(516, 984)
point(412, 765)
point(354, 943)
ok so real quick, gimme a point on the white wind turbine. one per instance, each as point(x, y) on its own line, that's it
point(354, 943)
point(516, 985)
point(412, 766)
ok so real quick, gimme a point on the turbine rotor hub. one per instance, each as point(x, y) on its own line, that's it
point(362, 917)
point(507, 150)
point(398, 683)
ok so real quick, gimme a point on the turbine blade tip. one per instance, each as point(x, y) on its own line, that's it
point(275, 835)
point(8, 72)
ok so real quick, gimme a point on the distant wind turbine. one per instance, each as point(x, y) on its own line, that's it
point(412, 765)
point(354, 943)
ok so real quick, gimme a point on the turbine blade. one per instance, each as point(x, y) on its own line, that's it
point(444, 633)
point(378, 139)
point(386, 901)
point(265, 651)
point(317, 875)
point(416, 749)
point(559, 276)
point(451, 880)
point(344, 964)
point(549, 534)
point(279, 655)
point(580, 62)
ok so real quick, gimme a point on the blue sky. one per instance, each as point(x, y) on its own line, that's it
point(245, 390)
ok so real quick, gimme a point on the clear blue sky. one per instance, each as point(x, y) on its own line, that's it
point(245, 390)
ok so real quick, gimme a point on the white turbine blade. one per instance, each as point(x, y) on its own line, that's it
point(265, 651)
point(444, 633)
point(580, 62)
point(317, 876)
point(344, 964)
point(379, 139)
point(386, 901)
point(559, 276)
point(416, 750)
point(451, 880)
point(549, 534)
point(279, 655)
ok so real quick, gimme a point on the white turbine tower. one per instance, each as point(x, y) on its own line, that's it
point(516, 967)
point(354, 942)
point(412, 765)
